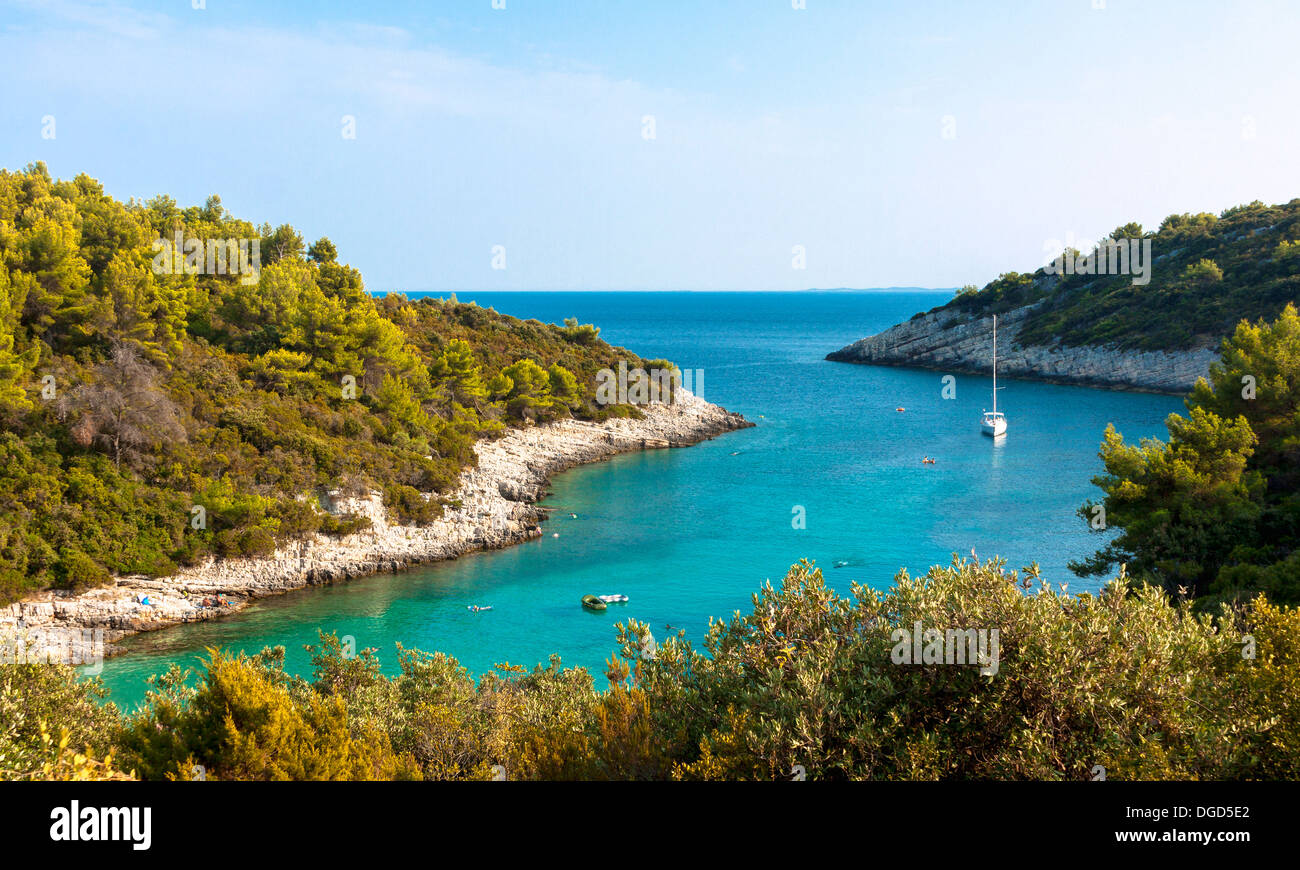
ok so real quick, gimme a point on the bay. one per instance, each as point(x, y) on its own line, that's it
point(692, 533)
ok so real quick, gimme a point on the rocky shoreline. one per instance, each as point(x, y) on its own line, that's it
point(945, 341)
point(496, 508)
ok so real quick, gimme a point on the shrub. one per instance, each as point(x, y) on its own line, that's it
point(48, 717)
point(246, 722)
point(808, 679)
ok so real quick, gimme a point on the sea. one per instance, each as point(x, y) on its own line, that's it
point(831, 473)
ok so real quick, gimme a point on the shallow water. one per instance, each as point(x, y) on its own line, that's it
point(692, 533)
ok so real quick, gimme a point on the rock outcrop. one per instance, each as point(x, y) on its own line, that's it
point(494, 506)
point(947, 341)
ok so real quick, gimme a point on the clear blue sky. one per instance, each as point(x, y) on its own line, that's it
point(775, 127)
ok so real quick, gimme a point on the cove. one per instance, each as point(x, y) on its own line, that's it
point(691, 533)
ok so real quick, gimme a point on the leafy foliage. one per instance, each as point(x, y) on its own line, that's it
point(1216, 511)
point(138, 379)
point(807, 679)
point(1114, 679)
point(1208, 273)
point(247, 721)
point(54, 726)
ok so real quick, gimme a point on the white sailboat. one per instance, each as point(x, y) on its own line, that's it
point(993, 423)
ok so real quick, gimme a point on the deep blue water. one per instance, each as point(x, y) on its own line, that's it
point(691, 533)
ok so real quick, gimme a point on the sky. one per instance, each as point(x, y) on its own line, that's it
point(666, 145)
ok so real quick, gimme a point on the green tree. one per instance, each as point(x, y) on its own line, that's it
point(281, 243)
point(1182, 506)
point(458, 373)
point(396, 398)
point(584, 333)
point(563, 387)
point(1216, 510)
point(322, 251)
point(1203, 273)
point(529, 397)
point(15, 365)
point(1258, 378)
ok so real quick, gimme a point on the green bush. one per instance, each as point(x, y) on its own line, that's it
point(1122, 680)
point(246, 722)
point(407, 505)
point(1119, 679)
point(77, 571)
point(44, 704)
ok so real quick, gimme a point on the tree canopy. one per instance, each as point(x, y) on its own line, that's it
point(154, 357)
point(1207, 273)
point(1215, 511)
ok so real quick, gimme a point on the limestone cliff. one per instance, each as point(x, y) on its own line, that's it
point(948, 341)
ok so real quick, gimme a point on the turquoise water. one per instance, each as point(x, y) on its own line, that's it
point(690, 534)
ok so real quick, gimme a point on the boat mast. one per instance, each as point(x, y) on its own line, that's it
point(995, 365)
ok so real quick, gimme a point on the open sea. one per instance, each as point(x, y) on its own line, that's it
point(690, 534)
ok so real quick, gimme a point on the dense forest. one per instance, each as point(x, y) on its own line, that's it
point(154, 358)
point(1207, 273)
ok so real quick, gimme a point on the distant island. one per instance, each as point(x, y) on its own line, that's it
point(1141, 310)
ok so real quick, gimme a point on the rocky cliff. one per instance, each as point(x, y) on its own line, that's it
point(496, 507)
point(946, 341)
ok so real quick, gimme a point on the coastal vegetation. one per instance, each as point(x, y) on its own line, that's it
point(1122, 684)
point(131, 395)
point(151, 365)
point(1214, 512)
point(1208, 272)
point(1185, 665)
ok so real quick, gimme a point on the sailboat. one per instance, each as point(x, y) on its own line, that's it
point(993, 423)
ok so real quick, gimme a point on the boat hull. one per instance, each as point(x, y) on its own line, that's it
point(994, 429)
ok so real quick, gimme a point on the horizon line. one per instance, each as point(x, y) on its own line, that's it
point(894, 289)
